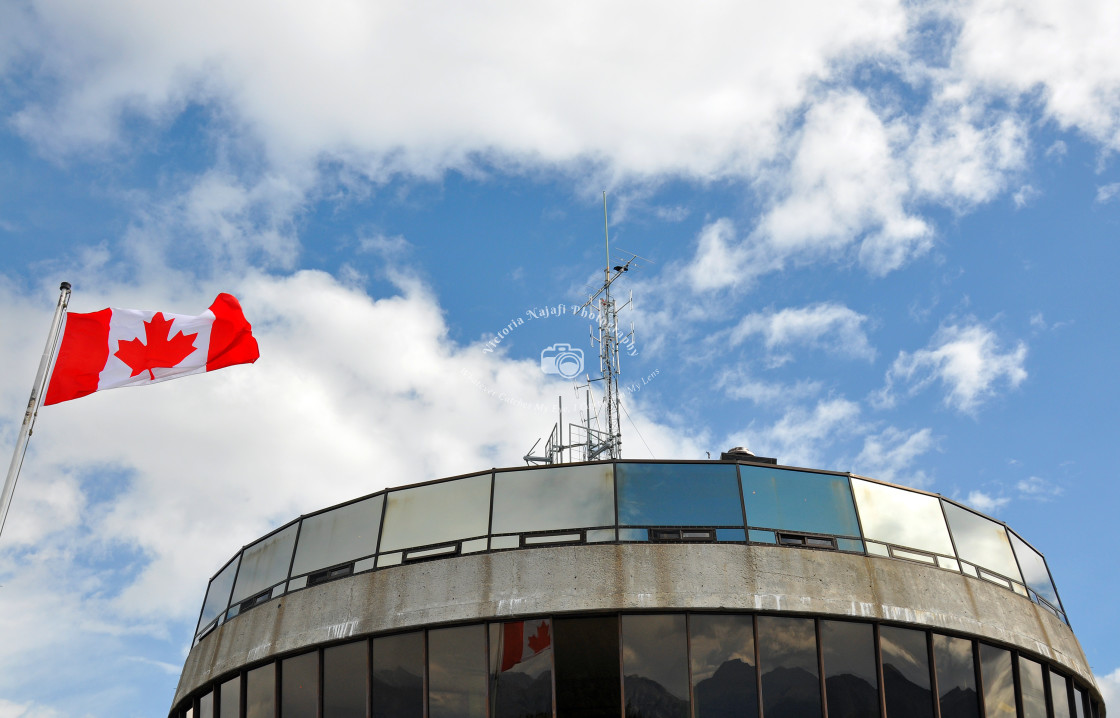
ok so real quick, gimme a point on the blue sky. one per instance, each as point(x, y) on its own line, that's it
point(881, 238)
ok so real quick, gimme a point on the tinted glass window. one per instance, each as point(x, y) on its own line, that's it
point(851, 679)
point(338, 536)
point(206, 706)
point(299, 686)
point(981, 541)
point(902, 517)
point(265, 563)
point(521, 669)
point(724, 684)
point(457, 672)
point(1035, 573)
point(345, 669)
point(787, 657)
point(560, 498)
point(217, 595)
point(587, 670)
point(1059, 695)
point(655, 666)
point(906, 681)
point(437, 513)
point(678, 495)
point(229, 699)
point(1030, 684)
point(999, 682)
point(260, 692)
point(956, 677)
point(798, 501)
point(1079, 702)
point(398, 676)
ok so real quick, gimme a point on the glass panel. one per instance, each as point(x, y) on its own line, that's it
point(569, 497)
point(956, 677)
point(851, 679)
point(1078, 702)
point(731, 535)
point(724, 684)
point(587, 670)
point(299, 686)
point(265, 563)
point(762, 536)
point(678, 495)
point(1030, 684)
point(1035, 574)
point(999, 682)
point(849, 545)
point(229, 698)
point(206, 706)
point(345, 669)
point(981, 541)
point(217, 595)
point(787, 657)
point(521, 669)
point(902, 517)
point(655, 665)
point(398, 676)
point(260, 692)
point(437, 513)
point(906, 682)
point(338, 536)
point(600, 535)
point(633, 534)
point(188, 713)
point(457, 672)
point(798, 501)
point(1059, 695)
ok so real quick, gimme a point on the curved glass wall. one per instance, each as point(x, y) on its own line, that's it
point(650, 665)
point(627, 501)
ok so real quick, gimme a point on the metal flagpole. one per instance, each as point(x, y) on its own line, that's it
point(33, 403)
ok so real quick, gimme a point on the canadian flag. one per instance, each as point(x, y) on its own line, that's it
point(127, 347)
point(521, 640)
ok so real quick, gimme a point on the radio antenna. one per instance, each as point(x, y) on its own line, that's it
point(598, 443)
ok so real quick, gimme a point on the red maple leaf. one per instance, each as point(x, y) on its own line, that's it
point(159, 352)
point(540, 640)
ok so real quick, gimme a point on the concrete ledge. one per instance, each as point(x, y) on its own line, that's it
point(626, 577)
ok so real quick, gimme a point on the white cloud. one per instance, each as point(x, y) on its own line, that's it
point(9, 709)
point(1025, 195)
point(1108, 192)
point(697, 90)
point(1063, 53)
point(739, 384)
point(1038, 489)
point(967, 360)
point(802, 435)
point(890, 455)
point(827, 325)
point(1110, 687)
point(985, 502)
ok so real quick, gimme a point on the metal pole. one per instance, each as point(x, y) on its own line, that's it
point(33, 403)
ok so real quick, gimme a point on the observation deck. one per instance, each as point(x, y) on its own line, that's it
point(627, 541)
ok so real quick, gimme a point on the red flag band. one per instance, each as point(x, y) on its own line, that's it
point(127, 347)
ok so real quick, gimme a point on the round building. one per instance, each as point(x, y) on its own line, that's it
point(633, 589)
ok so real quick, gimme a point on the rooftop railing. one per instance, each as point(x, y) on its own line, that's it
point(624, 502)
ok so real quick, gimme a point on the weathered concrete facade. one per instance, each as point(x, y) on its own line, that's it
point(633, 577)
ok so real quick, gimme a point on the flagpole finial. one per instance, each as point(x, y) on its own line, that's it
point(64, 287)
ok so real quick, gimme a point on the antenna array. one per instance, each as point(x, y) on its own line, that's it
point(596, 443)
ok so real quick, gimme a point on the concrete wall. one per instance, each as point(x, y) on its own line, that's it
point(567, 579)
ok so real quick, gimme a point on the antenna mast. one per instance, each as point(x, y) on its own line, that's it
point(599, 443)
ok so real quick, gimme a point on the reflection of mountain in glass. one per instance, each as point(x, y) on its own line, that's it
point(791, 693)
point(730, 692)
point(397, 694)
point(850, 696)
point(516, 695)
point(960, 704)
point(904, 697)
point(646, 698)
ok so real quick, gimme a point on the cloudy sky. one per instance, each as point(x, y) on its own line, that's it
point(878, 236)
